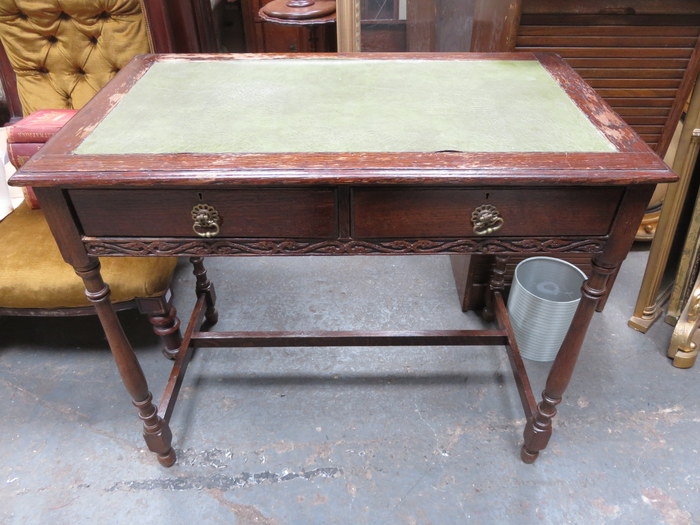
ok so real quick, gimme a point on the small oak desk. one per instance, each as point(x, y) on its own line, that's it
point(342, 155)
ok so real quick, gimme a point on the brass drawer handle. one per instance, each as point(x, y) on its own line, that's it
point(206, 220)
point(486, 219)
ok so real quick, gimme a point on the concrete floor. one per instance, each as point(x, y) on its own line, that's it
point(345, 435)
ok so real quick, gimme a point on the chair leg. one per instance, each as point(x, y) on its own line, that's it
point(166, 325)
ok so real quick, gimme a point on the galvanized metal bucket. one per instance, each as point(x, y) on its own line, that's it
point(543, 299)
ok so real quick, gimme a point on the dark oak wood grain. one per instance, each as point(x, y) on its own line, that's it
point(441, 212)
point(244, 212)
point(349, 338)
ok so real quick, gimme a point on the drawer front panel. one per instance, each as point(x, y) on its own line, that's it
point(444, 212)
point(275, 212)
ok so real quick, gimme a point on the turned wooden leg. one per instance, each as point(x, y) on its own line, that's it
point(594, 290)
point(496, 283)
point(539, 429)
point(156, 431)
point(167, 327)
point(205, 287)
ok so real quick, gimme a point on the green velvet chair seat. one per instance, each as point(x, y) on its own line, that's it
point(34, 275)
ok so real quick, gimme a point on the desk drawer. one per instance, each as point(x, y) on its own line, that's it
point(276, 212)
point(446, 212)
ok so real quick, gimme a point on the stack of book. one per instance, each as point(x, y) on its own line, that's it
point(27, 136)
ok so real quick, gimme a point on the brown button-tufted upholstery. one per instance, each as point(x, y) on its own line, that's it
point(64, 51)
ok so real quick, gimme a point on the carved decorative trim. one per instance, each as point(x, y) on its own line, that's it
point(683, 348)
point(188, 247)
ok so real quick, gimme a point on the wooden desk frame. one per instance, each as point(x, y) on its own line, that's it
point(65, 183)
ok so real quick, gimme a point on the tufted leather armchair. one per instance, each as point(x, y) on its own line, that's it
point(56, 54)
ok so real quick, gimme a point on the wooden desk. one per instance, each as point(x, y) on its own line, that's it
point(342, 155)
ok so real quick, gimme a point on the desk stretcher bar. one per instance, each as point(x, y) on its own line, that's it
point(195, 339)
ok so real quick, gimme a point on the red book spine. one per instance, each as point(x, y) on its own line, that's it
point(40, 126)
point(20, 152)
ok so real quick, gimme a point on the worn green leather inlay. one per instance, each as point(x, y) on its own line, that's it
point(318, 105)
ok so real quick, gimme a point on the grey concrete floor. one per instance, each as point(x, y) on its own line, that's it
point(345, 435)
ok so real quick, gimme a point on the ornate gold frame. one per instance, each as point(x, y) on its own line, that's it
point(684, 304)
point(684, 344)
point(652, 294)
point(690, 257)
point(348, 25)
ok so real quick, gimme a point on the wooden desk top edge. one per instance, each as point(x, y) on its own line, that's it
point(634, 163)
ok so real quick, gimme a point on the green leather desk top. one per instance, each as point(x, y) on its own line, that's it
point(326, 106)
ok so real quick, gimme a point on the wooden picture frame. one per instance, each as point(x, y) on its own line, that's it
point(348, 25)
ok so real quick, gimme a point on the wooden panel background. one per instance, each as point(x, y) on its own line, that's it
point(643, 64)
